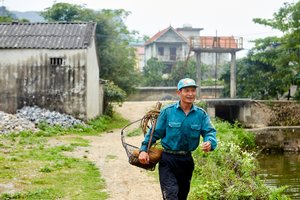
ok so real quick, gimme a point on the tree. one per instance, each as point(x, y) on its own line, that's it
point(183, 70)
point(7, 16)
point(281, 52)
point(156, 74)
point(255, 79)
point(272, 65)
point(117, 58)
point(63, 12)
point(153, 73)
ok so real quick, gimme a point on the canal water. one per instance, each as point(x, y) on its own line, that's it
point(281, 170)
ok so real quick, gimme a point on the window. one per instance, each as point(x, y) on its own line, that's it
point(160, 51)
point(56, 61)
point(172, 53)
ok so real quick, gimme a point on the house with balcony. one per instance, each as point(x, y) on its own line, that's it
point(167, 46)
point(171, 45)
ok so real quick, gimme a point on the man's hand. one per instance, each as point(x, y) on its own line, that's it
point(144, 157)
point(206, 146)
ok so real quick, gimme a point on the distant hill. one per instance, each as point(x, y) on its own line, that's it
point(32, 16)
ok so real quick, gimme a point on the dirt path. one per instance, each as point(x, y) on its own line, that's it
point(123, 181)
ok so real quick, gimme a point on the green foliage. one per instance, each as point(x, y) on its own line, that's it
point(270, 68)
point(156, 73)
point(112, 95)
point(256, 79)
point(281, 53)
point(234, 133)
point(117, 59)
point(36, 194)
point(135, 132)
point(153, 73)
point(230, 171)
point(7, 16)
point(201, 104)
point(211, 82)
point(64, 12)
point(182, 70)
point(6, 19)
point(106, 123)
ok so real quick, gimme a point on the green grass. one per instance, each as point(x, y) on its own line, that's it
point(44, 173)
point(38, 170)
point(135, 132)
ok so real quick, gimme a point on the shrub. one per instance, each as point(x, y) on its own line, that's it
point(230, 172)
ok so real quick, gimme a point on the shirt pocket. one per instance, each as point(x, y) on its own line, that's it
point(174, 131)
point(175, 124)
point(195, 130)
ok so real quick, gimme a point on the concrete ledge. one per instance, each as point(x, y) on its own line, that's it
point(169, 93)
point(283, 138)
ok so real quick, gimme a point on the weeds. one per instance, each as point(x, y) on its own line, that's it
point(230, 171)
point(38, 171)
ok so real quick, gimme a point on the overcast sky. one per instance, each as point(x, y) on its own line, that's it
point(221, 17)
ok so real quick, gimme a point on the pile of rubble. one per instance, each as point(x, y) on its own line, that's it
point(28, 117)
point(12, 123)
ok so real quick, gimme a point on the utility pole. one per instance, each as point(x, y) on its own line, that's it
point(198, 73)
point(216, 70)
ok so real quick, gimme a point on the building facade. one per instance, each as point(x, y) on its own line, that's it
point(51, 65)
point(171, 45)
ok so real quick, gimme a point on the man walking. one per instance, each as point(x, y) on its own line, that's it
point(179, 126)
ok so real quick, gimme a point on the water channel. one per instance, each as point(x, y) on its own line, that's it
point(281, 170)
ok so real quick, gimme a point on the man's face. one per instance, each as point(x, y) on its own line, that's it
point(187, 94)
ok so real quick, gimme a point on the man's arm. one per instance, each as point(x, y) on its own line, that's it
point(209, 134)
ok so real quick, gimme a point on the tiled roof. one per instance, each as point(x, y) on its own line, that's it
point(58, 35)
point(160, 33)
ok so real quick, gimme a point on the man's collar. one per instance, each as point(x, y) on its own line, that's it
point(178, 105)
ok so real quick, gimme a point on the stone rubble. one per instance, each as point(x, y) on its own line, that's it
point(28, 117)
point(12, 123)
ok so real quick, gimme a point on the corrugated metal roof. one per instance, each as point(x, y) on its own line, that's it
point(58, 35)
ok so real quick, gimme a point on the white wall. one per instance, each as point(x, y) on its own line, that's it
point(93, 100)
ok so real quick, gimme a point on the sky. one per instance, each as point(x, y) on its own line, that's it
point(216, 17)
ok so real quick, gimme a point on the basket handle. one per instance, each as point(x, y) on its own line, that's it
point(157, 107)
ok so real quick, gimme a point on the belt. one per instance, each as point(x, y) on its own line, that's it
point(183, 153)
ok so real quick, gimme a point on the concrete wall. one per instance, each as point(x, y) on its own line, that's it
point(169, 93)
point(93, 98)
point(276, 124)
point(278, 138)
point(27, 79)
point(255, 114)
